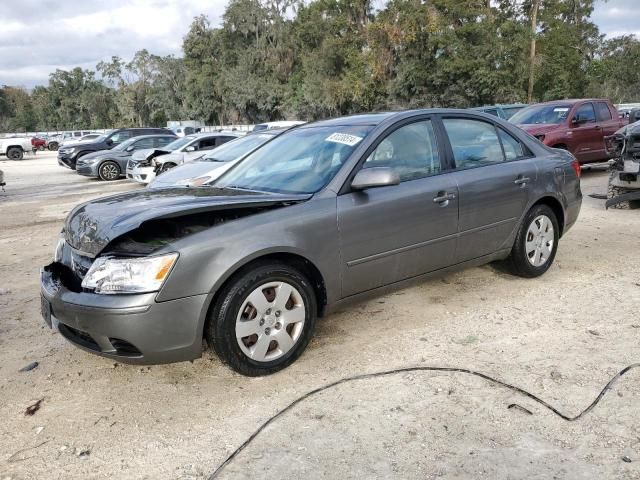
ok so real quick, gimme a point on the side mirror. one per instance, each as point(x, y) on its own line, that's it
point(190, 149)
point(131, 148)
point(108, 141)
point(375, 177)
point(578, 120)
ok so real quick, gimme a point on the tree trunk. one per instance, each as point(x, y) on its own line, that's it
point(532, 52)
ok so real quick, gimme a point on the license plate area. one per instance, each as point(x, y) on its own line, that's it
point(45, 310)
point(631, 166)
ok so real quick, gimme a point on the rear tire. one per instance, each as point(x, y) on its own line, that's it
point(109, 171)
point(257, 302)
point(536, 243)
point(53, 146)
point(15, 153)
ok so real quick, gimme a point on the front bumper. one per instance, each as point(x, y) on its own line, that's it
point(87, 170)
point(67, 160)
point(141, 174)
point(126, 328)
point(629, 178)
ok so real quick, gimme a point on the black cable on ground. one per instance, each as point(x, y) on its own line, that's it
point(421, 369)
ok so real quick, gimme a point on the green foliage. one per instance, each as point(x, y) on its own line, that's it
point(274, 59)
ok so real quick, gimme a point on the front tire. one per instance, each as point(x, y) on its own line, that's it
point(166, 166)
point(263, 319)
point(536, 243)
point(109, 171)
point(53, 146)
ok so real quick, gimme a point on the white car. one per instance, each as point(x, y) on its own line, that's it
point(85, 138)
point(282, 124)
point(214, 163)
point(145, 164)
point(14, 147)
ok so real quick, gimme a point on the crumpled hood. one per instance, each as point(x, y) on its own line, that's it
point(91, 226)
point(538, 129)
point(174, 157)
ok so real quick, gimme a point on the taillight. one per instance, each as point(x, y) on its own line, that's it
point(576, 166)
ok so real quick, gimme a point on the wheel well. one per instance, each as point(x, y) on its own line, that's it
point(297, 261)
point(556, 206)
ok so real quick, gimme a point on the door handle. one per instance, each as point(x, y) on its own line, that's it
point(443, 198)
point(522, 180)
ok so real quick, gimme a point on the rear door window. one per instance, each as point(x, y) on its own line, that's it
point(474, 143)
point(206, 143)
point(603, 112)
point(513, 149)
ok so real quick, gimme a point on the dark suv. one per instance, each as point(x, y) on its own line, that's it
point(68, 156)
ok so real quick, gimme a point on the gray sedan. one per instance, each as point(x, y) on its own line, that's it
point(112, 164)
point(325, 214)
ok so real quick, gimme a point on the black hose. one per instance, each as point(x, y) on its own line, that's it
point(366, 376)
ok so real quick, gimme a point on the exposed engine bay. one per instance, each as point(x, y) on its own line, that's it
point(154, 234)
point(624, 182)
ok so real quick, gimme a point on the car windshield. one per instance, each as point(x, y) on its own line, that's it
point(541, 114)
point(511, 111)
point(121, 147)
point(298, 161)
point(236, 148)
point(179, 143)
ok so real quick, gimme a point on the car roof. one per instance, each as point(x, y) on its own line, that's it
point(571, 101)
point(156, 135)
point(363, 119)
point(211, 134)
point(375, 119)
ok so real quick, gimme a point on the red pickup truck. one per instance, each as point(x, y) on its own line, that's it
point(575, 125)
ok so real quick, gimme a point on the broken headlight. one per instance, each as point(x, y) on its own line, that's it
point(129, 275)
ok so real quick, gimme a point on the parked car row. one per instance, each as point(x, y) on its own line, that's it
point(578, 126)
point(299, 222)
point(137, 153)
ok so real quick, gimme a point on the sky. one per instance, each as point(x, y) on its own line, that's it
point(38, 36)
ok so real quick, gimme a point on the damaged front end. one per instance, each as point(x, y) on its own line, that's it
point(127, 228)
point(624, 182)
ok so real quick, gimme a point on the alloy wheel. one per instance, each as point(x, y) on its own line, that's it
point(109, 171)
point(270, 321)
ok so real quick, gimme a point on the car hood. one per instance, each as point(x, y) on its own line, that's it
point(185, 172)
point(145, 153)
point(91, 226)
point(104, 153)
point(175, 157)
point(538, 129)
point(89, 144)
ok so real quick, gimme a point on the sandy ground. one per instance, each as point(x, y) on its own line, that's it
point(561, 337)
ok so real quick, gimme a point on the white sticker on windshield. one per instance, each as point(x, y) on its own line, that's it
point(561, 109)
point(343, 138)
